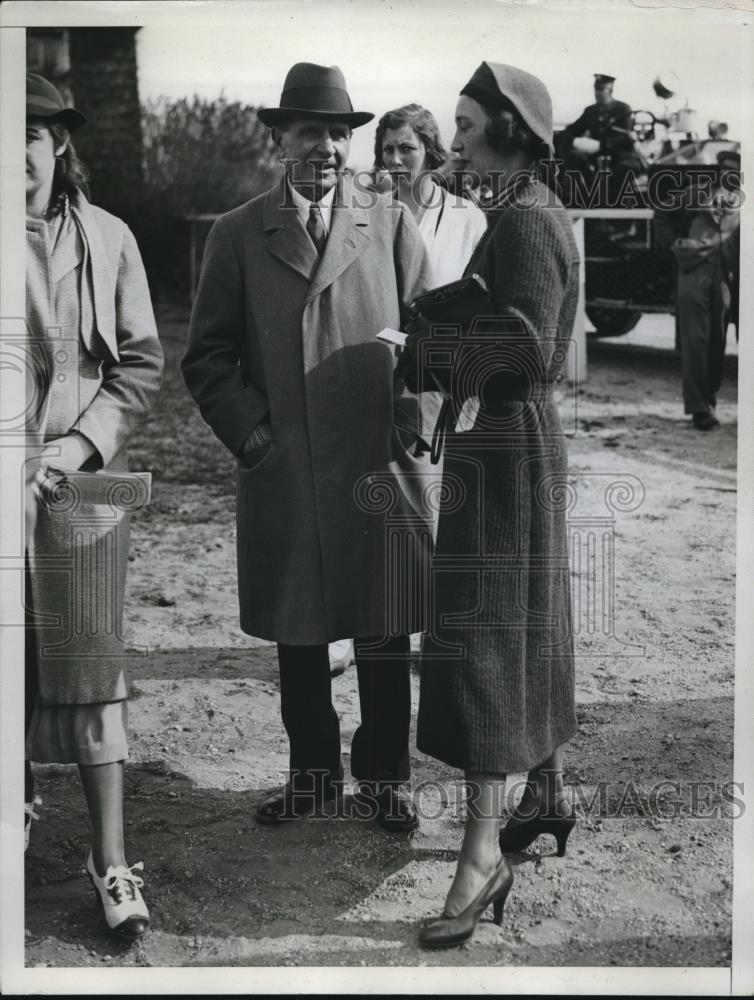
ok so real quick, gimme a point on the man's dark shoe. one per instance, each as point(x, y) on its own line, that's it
point(300, 797)
point(393, 805)
point(705, 421)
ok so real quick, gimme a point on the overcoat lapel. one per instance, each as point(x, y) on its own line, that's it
point(348, 238)
point(97, 263)
point(286, 237)
point(290, 243)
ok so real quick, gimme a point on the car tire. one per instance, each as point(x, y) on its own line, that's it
point(612, 322)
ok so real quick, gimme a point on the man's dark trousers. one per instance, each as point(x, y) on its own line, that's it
point(703, 304)
point(379, 749)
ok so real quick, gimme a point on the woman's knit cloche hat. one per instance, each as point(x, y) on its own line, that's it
point(495, 84)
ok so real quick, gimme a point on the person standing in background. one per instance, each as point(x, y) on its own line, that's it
point(707, 261)
point(407, 144)
point(408, 152)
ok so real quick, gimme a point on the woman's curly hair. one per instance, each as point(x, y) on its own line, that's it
point(70, 173)
point(423, 123)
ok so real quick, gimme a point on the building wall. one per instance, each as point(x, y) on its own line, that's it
point(95, 69)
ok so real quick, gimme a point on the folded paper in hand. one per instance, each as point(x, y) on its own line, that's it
point(394, 337)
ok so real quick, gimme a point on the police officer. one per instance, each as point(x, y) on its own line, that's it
point(608, 122)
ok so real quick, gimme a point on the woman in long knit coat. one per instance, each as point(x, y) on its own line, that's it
point(97, 364)
point(497, 685)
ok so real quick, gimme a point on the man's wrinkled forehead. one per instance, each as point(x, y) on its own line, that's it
point(314, 123)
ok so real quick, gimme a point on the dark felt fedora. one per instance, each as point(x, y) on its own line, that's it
point(43, 100)
point(319, 91)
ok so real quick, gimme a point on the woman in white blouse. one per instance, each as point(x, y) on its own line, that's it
point(409, 150)
point(408, 146)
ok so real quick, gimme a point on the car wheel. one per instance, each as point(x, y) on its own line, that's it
point(612, 322)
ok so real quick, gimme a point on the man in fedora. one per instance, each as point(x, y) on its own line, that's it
point(283, 362)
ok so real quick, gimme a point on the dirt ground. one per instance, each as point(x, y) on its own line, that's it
point(648, 875)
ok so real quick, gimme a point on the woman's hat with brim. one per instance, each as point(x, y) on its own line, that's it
point(495, 84)
point(43, 101)
point(317, 92)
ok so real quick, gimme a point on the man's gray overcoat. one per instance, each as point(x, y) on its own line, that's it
point(278, 333)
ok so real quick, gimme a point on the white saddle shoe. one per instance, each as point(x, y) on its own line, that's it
point(29, 815)
point(119, 895)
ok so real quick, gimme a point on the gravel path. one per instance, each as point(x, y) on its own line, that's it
point(648, 875)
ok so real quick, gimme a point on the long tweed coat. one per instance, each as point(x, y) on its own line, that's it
point(497, 685)
point(99, 363)
point(276, 331)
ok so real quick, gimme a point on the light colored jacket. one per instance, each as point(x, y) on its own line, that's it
point(103, 367)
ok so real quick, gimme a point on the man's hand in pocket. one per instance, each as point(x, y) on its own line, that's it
point(256, 444)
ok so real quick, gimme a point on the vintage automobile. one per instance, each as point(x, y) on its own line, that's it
point(627, 232)
point(628, 228)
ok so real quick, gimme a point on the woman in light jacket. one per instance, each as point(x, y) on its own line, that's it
point(97, 363)
point(408, 146)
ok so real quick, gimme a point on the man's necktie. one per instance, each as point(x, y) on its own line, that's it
point(315, 227)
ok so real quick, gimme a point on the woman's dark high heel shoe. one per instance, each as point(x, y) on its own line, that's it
point(449, 931)
point(518, 836)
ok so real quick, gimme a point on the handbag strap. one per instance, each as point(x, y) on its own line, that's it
point(443, 202)
point(438, 435)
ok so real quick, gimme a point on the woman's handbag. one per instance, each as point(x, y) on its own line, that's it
point(453, 307)
point(440, 318)
point(458, 303)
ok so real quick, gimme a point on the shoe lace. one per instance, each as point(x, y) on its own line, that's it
point(122, 881)
point(29, 809)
